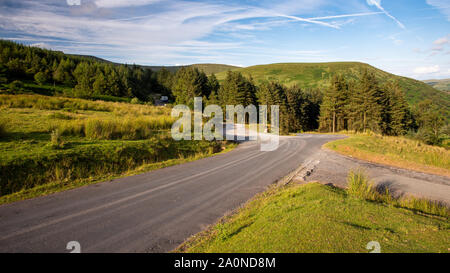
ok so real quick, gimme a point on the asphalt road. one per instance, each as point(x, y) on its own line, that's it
point(151, 212)
point(156, 211)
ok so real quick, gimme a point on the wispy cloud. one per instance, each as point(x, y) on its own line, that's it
point(166, 29)
point(442, 5)
point(377, 3)
point(345, 15)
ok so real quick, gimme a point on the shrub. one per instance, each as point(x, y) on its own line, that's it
point(16, 86)
point(135, 101)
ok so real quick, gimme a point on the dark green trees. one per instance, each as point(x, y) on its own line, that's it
point(237, 90)
point(40, 78)
point(189, 83)
point(365, 105)
point(334, 107)
point(397, 116)
point(430, 121)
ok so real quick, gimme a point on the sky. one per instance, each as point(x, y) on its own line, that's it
point(405, 37)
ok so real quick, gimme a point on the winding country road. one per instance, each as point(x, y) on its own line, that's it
point(155, 211)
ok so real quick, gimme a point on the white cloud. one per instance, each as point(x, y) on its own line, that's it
point(73, 2)
point(122, 3)
point(377, 3)
point(427, 70)
point(442, 5)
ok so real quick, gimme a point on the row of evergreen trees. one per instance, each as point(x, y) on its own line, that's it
point(365, 105)
point(86, 75)
point(299, 109)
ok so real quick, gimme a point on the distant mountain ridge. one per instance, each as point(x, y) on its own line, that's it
point(443, 84)
point(208, 68)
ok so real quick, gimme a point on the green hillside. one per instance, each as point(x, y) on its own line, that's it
point(443, 85)
point(214, 68)
point(317, 75)
point(207, 68)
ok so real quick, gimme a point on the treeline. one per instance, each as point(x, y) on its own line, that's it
point(365, 105)
point(299, 109)
point(85, 76)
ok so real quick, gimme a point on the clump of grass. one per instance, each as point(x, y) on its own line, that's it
point(55, 139)
point(359, 185)
point(72, 128)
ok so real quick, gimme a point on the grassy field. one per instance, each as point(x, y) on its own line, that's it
point(395, 151)
point(317, 75)
point(50, 144)
point(319, 218)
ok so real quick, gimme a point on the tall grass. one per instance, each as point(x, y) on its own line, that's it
point(125, 129)
point(70, 104)
point(55, 139)
point(360, 186)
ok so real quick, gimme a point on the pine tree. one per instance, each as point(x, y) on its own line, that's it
point(366, 104)
point(237, 90)
point(333, 113)
point(189, 83)
point(398, 118)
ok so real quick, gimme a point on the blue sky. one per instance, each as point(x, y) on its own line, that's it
point(405, 37)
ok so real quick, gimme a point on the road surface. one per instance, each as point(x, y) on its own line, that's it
point(155, 211)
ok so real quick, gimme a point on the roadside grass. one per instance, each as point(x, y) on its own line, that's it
point(395, 151)
point(360, 186)
point(320, 218)
point(67, 184)
point(50, 144)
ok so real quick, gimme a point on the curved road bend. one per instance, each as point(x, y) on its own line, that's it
point(150, 212)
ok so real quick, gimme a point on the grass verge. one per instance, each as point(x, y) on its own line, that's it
point(395, 151)
point(67, 184)
point(319, 218)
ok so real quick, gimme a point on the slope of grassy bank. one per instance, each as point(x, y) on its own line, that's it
point(50, 144)
point(318, 218)
point(395, 151)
